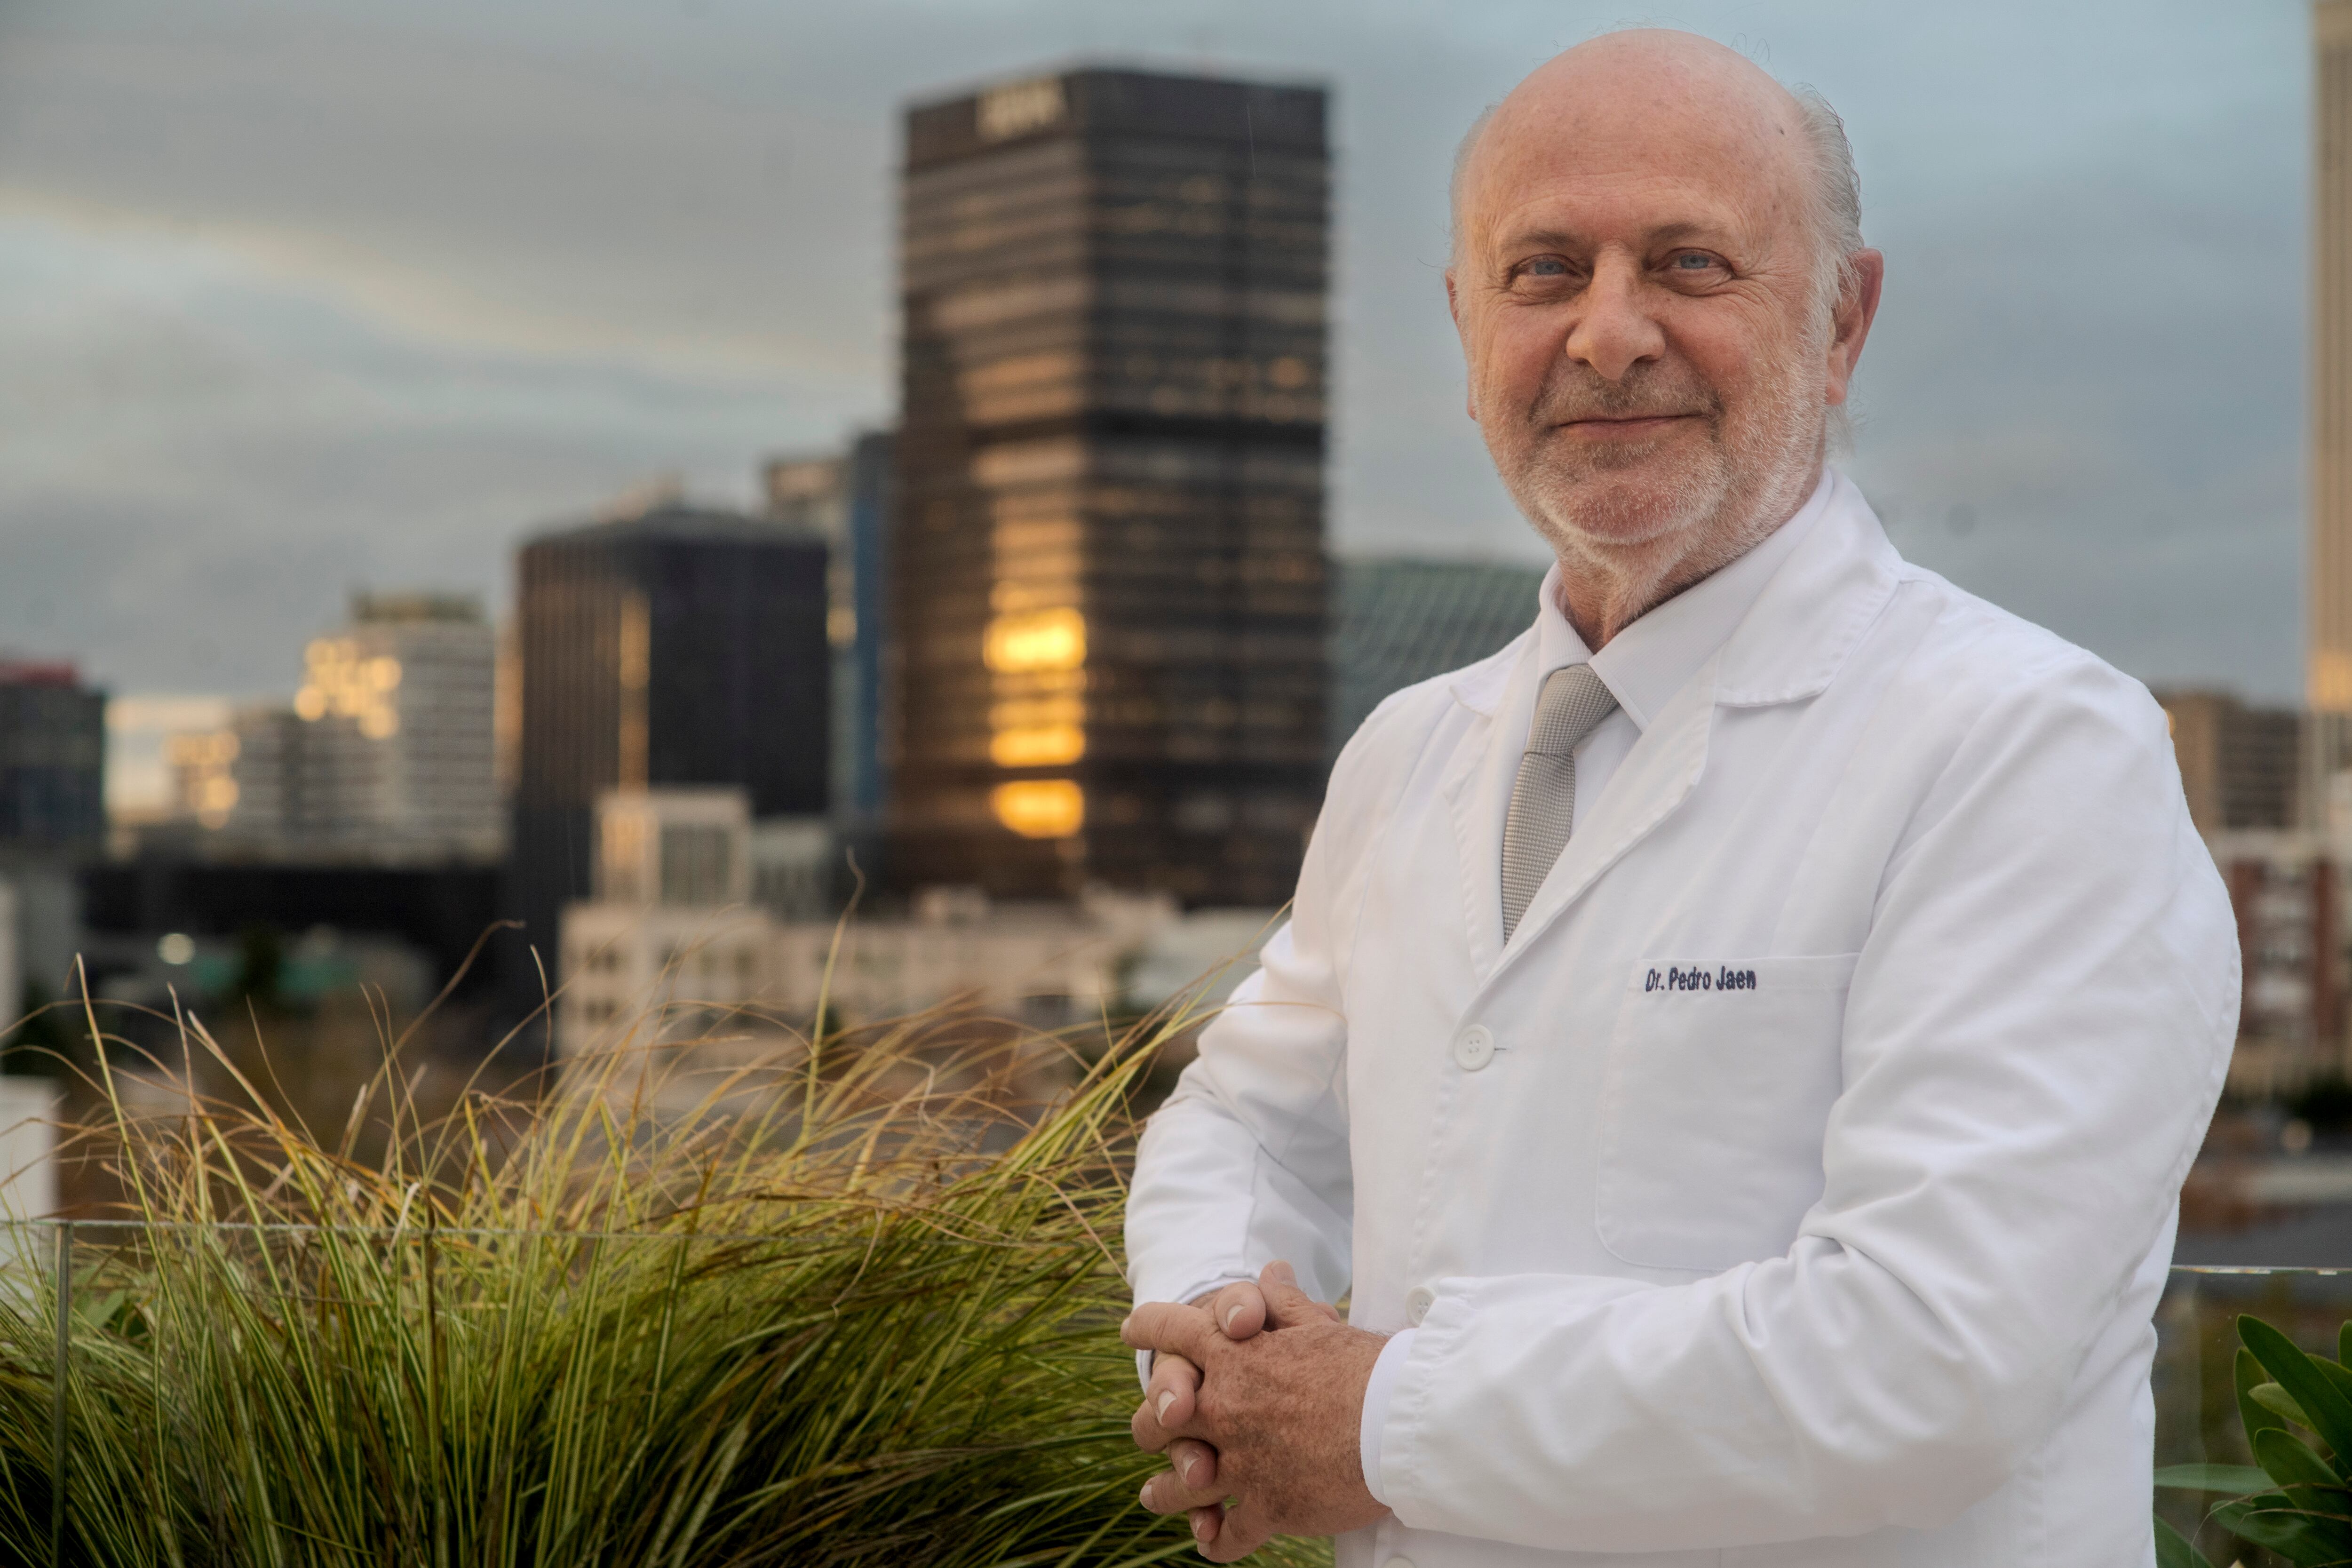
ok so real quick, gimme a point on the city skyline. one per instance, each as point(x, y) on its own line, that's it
point(253, 370)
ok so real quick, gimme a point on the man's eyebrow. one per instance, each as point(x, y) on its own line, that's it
point(1538, 237)
point(1541, 237)
point(1690, 229)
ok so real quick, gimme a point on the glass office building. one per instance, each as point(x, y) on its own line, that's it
point(1107, 539)
point(845, 496)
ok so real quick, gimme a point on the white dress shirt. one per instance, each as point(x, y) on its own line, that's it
point(1644, 666)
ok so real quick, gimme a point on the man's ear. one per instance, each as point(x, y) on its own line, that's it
point(1857, 307)
point(1470, 382)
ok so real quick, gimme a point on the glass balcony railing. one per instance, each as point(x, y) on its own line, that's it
point(2197, 1415)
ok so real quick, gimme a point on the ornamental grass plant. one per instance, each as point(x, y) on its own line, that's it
point(836, 1301)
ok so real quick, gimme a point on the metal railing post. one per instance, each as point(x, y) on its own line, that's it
point(58, 1411)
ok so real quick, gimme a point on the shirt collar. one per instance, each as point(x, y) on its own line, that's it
point(1650, 660)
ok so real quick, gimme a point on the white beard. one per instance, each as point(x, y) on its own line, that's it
point(1647, 531)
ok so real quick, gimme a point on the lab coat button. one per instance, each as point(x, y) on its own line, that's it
point(1474, 1048)
point(1417, 1303)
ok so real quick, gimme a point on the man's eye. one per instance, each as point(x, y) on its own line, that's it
point(1693, 261)
point(1545, 266)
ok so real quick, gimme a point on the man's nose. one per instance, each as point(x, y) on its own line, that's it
point(1614, 330)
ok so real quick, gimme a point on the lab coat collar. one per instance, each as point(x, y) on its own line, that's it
point(1832, 557)
point(1810, 617)
point(1644, 665)
point(1480, 686)
point(1805, 620)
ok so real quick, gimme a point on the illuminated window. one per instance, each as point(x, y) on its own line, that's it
point(1040, 808)
point(339, 680)
point(2331, 682)
point(1043, 745)
point(202, 772)
point(1045, 640)
point(1019, 106)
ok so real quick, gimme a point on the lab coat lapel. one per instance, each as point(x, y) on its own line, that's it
point(1787, 647)
point(1650, 786)
point(1500, 692)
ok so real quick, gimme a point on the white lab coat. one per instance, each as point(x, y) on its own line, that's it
point(1848, 1261)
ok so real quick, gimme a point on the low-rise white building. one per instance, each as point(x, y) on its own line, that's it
point(655, 972)
point(1046, 963)
point(28, 1140)
point(702, 925)
point(669, 947)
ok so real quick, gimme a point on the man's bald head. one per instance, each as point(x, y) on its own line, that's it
point(1644, 73)
point(1660, 284)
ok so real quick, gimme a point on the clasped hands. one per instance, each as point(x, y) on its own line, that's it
point(1256, 1397)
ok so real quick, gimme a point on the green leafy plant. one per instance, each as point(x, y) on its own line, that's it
point(2296, 1500)
point(840, 1303)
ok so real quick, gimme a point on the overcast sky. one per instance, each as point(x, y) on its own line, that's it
point(300, 297)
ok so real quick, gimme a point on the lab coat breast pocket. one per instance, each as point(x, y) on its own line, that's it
point(1720, 1078)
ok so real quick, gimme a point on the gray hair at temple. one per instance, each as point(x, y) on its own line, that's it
point(1837, 195)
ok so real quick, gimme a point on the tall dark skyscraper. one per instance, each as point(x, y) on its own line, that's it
point(677, 647)
point(1108, 547)
point(52, 762)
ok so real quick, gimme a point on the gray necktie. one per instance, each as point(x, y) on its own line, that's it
point(1543, 799)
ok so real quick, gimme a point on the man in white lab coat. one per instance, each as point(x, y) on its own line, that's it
point(1737, 1049)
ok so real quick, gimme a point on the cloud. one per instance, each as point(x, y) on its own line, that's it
point(2085, 400)
point(196, 465)
point(335, 293)
point(432, 307)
